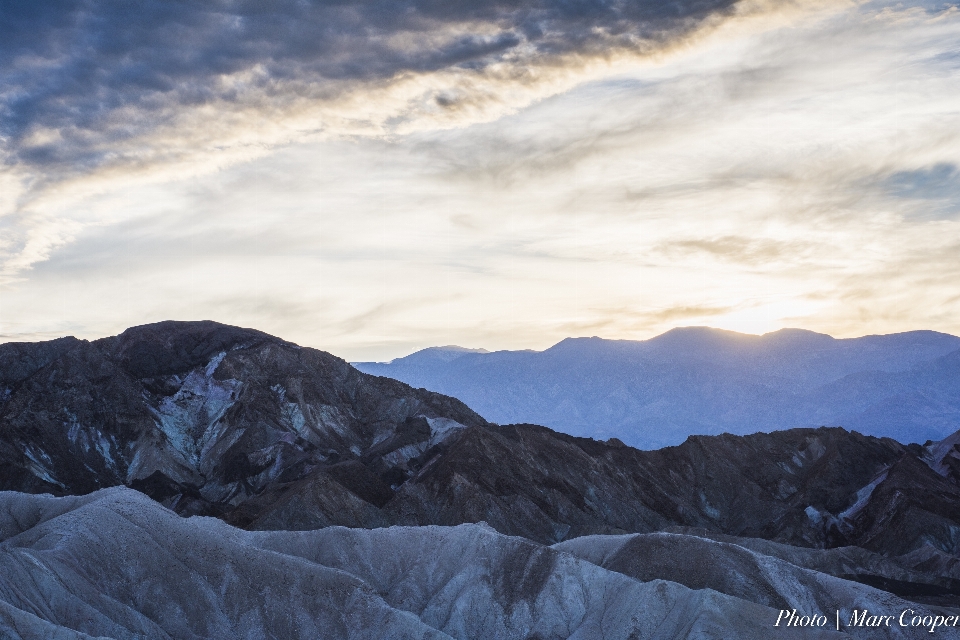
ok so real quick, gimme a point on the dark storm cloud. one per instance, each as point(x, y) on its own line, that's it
point(78, 77)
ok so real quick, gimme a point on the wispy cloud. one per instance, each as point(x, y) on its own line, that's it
point(99, 94)
point(87, 84)
point(741, 249)
point(755, 166)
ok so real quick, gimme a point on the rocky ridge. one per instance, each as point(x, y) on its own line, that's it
point(116, 564)
point(267, 436)
point(230, 422)
point(203, 416)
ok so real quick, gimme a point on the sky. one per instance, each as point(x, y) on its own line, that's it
point(372, 177)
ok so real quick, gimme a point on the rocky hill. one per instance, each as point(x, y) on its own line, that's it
point(115, 564)
point(276, 439)
point(203, 416)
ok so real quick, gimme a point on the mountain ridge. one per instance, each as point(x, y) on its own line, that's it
point(198, 414)
point(116, 564)
point(445, 512)
point(216, 420)
point(688, 380)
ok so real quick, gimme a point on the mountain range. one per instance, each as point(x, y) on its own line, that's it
point(196, 480)
point(697, 380)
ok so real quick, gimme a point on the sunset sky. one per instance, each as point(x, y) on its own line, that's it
point(374, 177)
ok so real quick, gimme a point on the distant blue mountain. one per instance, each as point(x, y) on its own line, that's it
point(698, 380)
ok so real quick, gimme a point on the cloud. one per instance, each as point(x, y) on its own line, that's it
point(768, 172)
point(90, 83)
point(676, 314)
point(740, 249)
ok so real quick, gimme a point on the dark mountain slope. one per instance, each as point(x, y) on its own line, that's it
point(266, 435)
point(817, 488)
point(655, 392)
point(911, 504)
point(201, 416)
point(530, 481)
point(231, 422)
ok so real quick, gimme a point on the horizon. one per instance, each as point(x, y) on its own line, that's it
point(503, 175)
point(482, 350)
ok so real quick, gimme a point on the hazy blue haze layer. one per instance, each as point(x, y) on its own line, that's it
point(697, 380)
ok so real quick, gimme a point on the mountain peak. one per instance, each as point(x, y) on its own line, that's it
point(701, 339)
point(446, 353)
point(162, 348)
point(704, 380)
point(797, 335)
point(568, 343)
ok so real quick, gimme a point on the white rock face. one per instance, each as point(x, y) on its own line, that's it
point(115, 564)
point(119, 565)
point(736, 570)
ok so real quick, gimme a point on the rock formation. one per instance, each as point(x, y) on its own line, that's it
point(458, 527)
